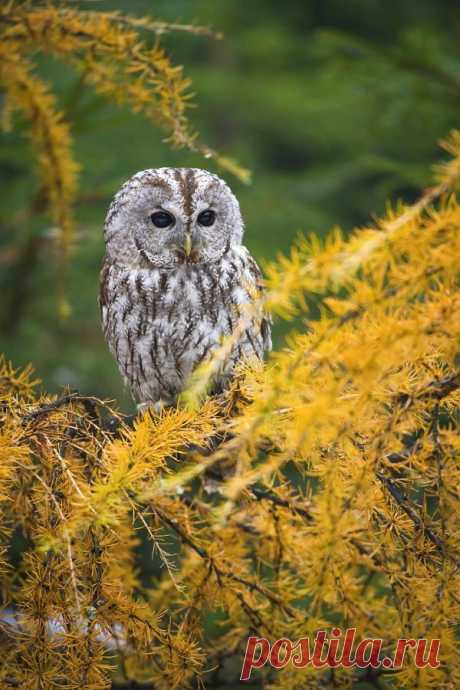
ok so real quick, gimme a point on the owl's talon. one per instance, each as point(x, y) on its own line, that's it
point(154, 407)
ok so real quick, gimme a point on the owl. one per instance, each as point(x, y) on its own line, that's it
point(174, 278)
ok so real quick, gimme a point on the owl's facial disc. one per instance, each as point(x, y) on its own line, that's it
point(169, 216)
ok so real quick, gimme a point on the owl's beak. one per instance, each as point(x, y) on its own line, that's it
point(189, 251)
point(188, 245)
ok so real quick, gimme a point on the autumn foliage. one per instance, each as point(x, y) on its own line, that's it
point(322, 489)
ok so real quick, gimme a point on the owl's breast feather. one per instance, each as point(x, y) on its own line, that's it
point(161, 323)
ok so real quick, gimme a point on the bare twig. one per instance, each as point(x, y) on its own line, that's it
point(406, 505)
point(220, 572)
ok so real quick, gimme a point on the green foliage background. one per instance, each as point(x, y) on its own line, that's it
point(336, 107)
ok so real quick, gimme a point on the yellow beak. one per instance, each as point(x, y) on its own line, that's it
point(188, 245)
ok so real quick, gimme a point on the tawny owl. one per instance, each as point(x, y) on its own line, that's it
point(174, 277)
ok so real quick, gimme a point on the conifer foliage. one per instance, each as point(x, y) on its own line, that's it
point(321, 490)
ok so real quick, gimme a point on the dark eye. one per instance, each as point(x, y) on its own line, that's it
point(207, 217)
point(161, 219)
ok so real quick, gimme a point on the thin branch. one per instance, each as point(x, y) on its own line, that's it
point(434, 390)
point(406, 505)
point(265, 494)
point(73, 576)
point(203, 553)
point(155, 543)
point(111, 424)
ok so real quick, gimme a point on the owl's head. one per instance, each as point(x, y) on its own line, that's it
point(169, 216)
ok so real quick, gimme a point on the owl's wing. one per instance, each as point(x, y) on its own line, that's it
point(104, 290)
point(255, 275)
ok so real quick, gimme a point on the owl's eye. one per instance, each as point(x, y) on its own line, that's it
point(207, 217)
point(161, 219)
